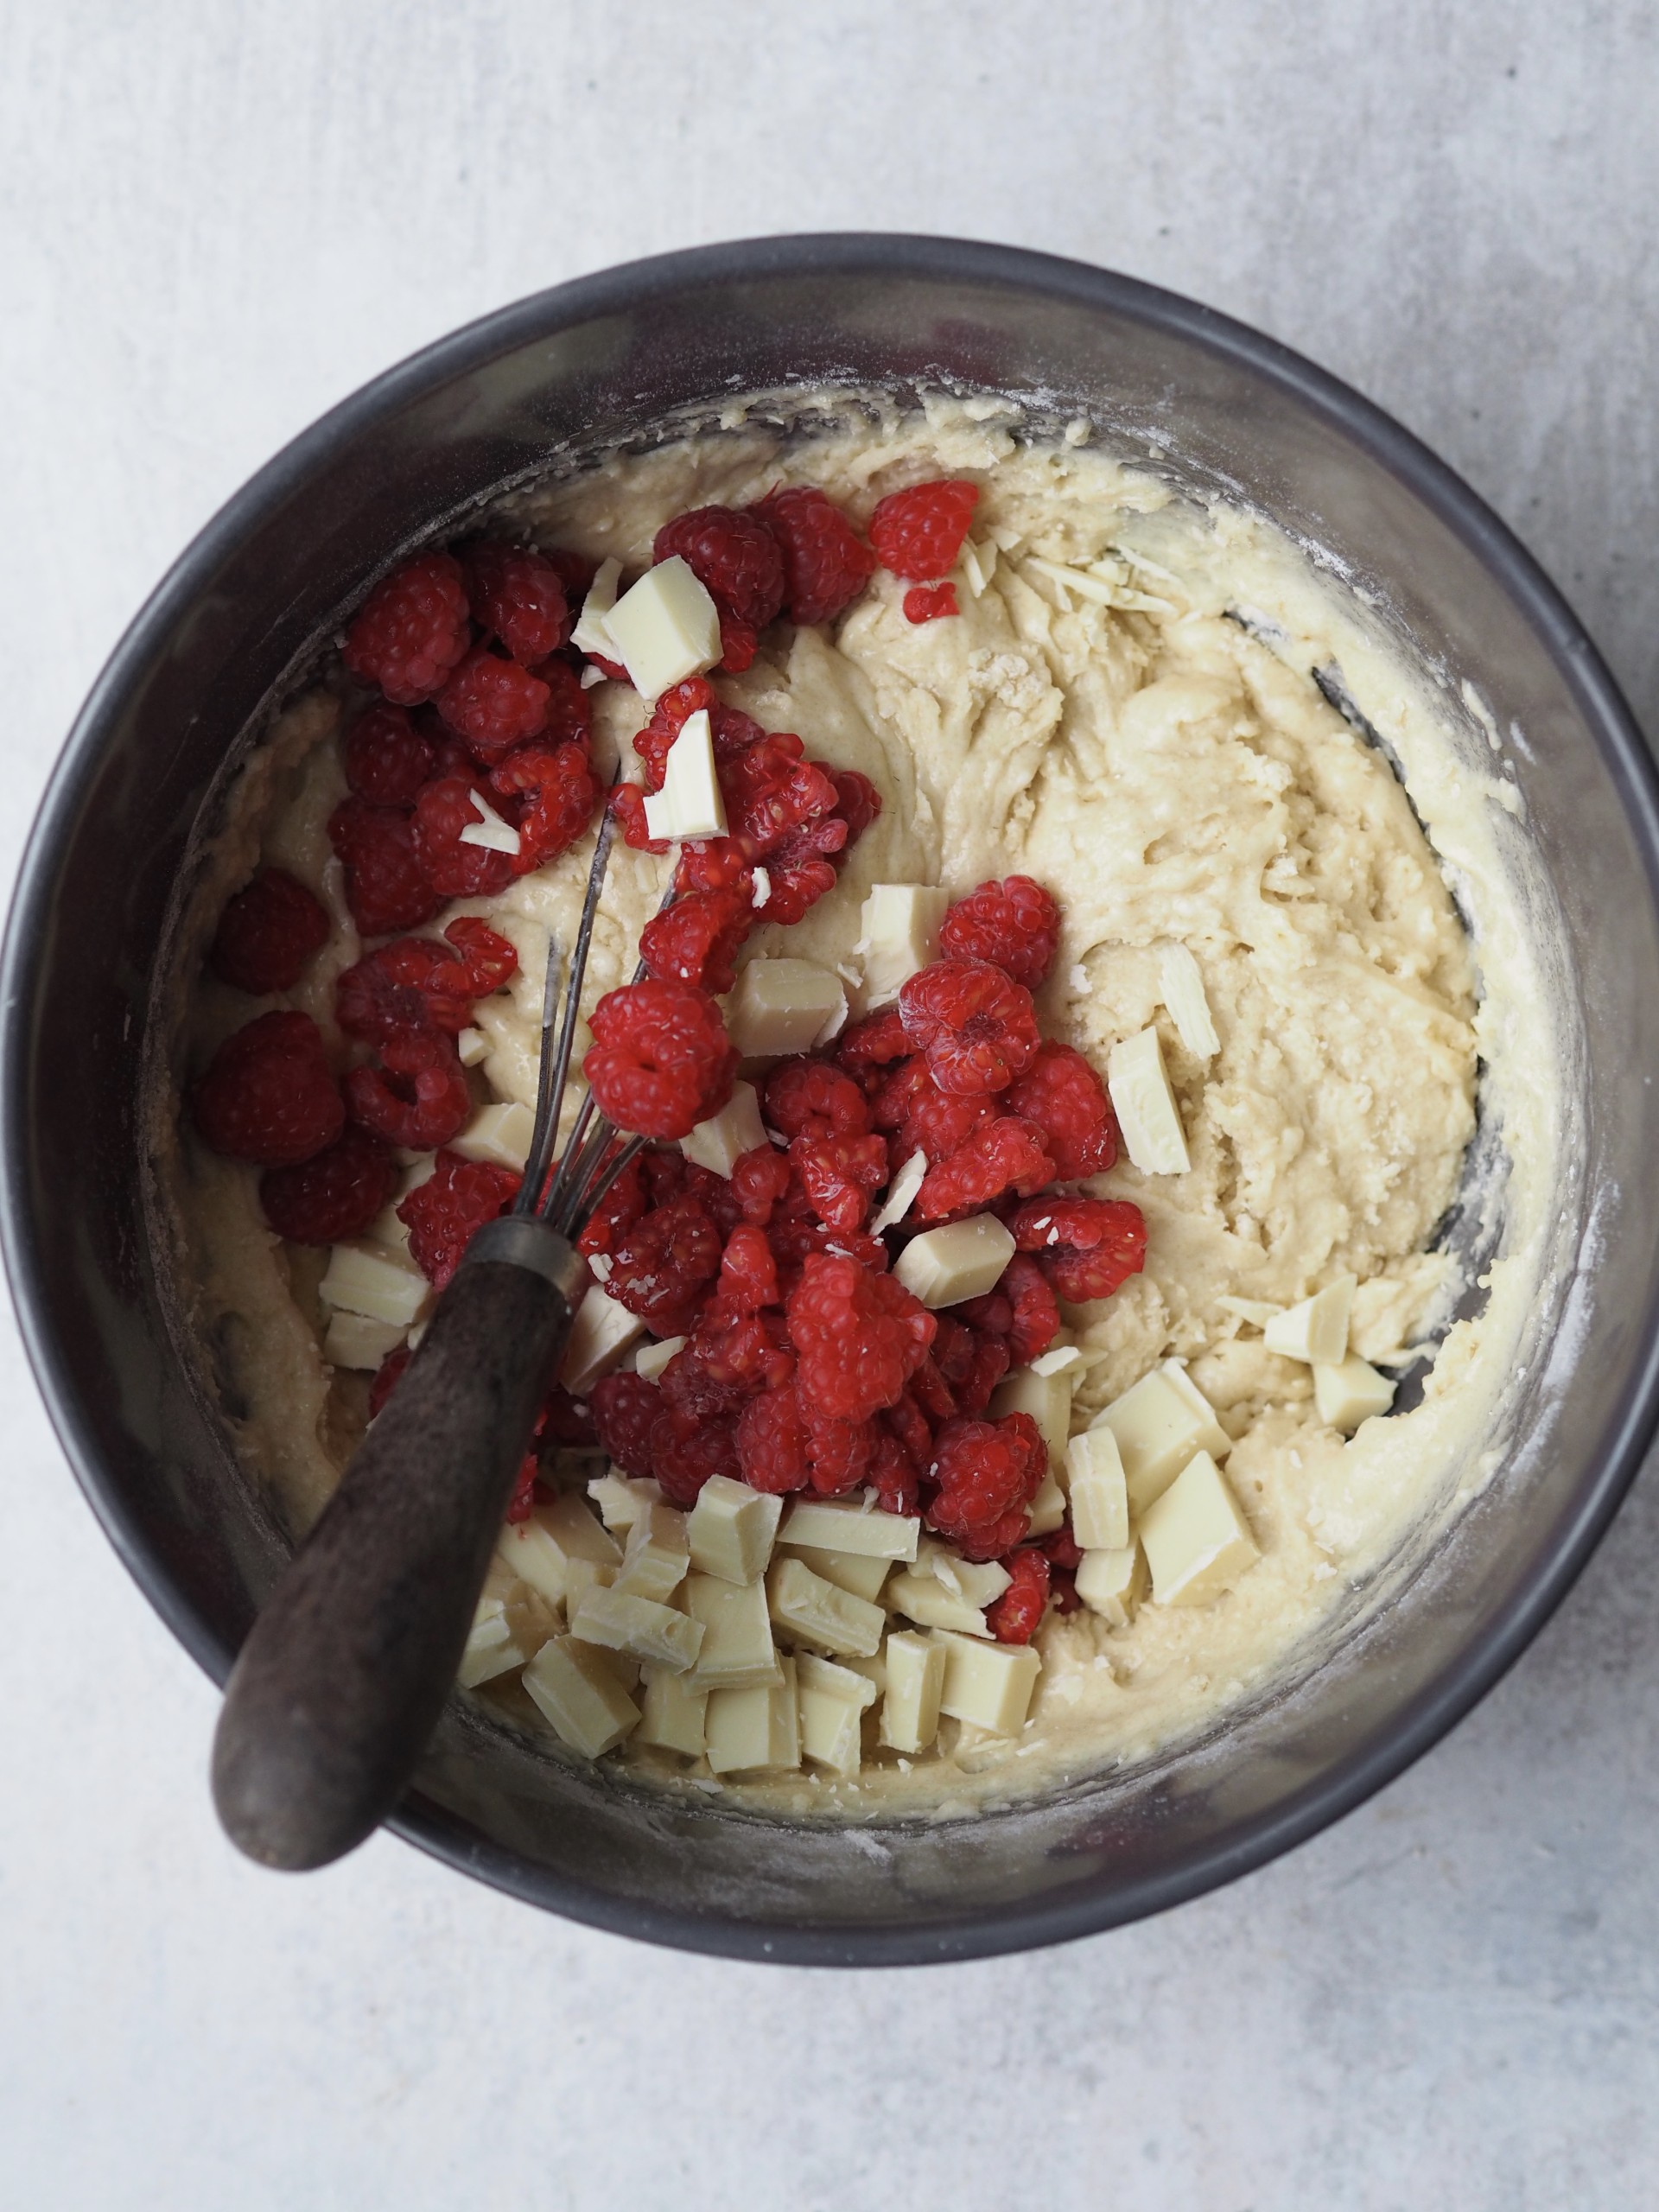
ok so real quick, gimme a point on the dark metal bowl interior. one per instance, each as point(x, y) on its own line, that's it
point(606, 358)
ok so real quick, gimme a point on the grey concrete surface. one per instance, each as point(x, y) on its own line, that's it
point(217, 218)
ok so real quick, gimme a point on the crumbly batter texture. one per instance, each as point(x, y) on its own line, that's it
point(1159, 756)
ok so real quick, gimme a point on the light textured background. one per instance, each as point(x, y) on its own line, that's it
point(215, 220)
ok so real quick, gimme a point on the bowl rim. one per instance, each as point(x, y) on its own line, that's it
point(627, 287)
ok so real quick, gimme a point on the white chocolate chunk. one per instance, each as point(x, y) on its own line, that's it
point(762, 890)
point(819, 1613)
point(988, 1684)
point(591, 677)
point(354, 1340)
point(490, 831)
point(721, 1142)
point(650, 1359)
point(544, 1548)
point(1061, 1359)
point(977, 563)
point(500, 1134)
point(386, 1229)
point(1317, 1330)
point(591, 634)
point(582, 1575)
point(923, 1598)
point(963, 1260)
point(589, 1708)
point(848, 1525)
point(1100, 1493)
point(1047, 1509)
point(752, 1729)
point(655, 1555)
point(859, 1572)
point(602, 1330)
point(675, 1713)
point(900, 936)
point(510, 1625)
point(979, 1581)
point(1349, 1393)
point(1113, 1583)
point(901, 1194)
point(1160, 1422)
point(1145, 1105)
point(1189, 1009)
point(738, 1652)
point(640, 1626)
point(831, 1701)
point(620, 1499)
point(1255, 1313)
point(780, 1005)
point(1196, 1541)
point(663, 629)
point(374, 1280)
point(909, 1703)
point(1046, 1398)
point(690, 803)
point(732, 1529)
point(471, 1048)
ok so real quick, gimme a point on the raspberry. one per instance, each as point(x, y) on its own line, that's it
point(673, 709)
point(748, 1274)
point(1015, 925)
point(933, 1122)
point(616, 1212)
point(386, 887)
point(876, 1041)
point(892, 1476)
point(987, 1474)
point(794, 891)
point(705, 1381)
point(442, 1213)
point(660, 1061)
point(415, 984)
point(738, 644)
point(569, 709)
point(386, 759)
point(662, 1267)
point(976, 1028)
point(770, 790)
point(805, 1097)
point(628, 805)
point(625, 1409)
point(418, 1096)
point(771, 1447)
point(486, 959)
point(734, 555)
point(1061, 1549)
point(557, 791)
point(1016, 1614)
point(918, 533)
point(455, 870)
point(840, 1453)
point(861, 1336)
point(760, 1180)
point(1086, 1247)
point(1035, 1317)
point(387, 1376)
point(713, 864)
point(517, 595)
point(684, 1464)
point(928, 602)
point(333, 1195)
point(840, 1175)
point(908, 1425)
point(412, 630)
point(522, 1504)
point(697, 939)
point(266, 935)
point(269, 1094)
point(825, 564)
point(1006, 1154)
point(493, 704)
point(575, 571)
point(565, 1419)
point(857, 802)
point(969, 1363)
point(1062, 1094)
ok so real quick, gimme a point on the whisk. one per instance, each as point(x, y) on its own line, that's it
point(343, 1676)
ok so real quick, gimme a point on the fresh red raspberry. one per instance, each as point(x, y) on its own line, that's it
point(575, 571)
point(569, 709)
point(660, 1061)
point(625, 1409)
point(565, 1419)
point(839, 1176)
point(684, 1464)
point(795, 1234)
point(738, 644)
point(386, 887)
point(386, 759)
point(760, 1180)
point(876, 1041)
point(549, 794)
point(387, 1376)
point(621, 1206)
point(1016, 1615)
point(453, 869)
point(734, 555)
point(673, 709)
point(493, 704)
point(918, 533)
point(713, 864)
point(696, 940)
point(1021, 1309)
point(443, 1214)
point(486, 959)
point(1086, 1247)
point(825, 564)
point(769, 790)
point(908, 1425)
point(861, 1336)
point(971, 1364)
point(929, 1121)
point(334, 1194)
point(929, 602)
point(1006, 1154)
point(771, 1447)
point(415, 984)
point(840, 1452)
point(269, 1094)
point(267, 935)
point(891, 1476)
point(822, 838)
point(628, 805)
point(1060, 1548)
point(1062, 1094)
point(987, 1472)
point(662, 1267)
point(812, 1098)
point(522, 1504)
point(976, 1028)
point(748, 1274)
point(412, 630)
point(794, 891)
point(857, 802)
point(516, 595)
point(708, 1379)
point(417, 1096)
point(1015, 925)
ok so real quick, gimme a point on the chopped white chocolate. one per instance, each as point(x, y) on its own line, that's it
point(751, 1729)
point(721, 1142)
point(375, 1281)
point(655, 1556)
point(1196, 1541)
point(922, 1598)
point(602, 1330)
point(833, 1027)
point(589, 1708)
point(621, 1622)
point(675, 1713)
point(901, 1194)
point(386, 1229)
point(490, 831)
point(1189, 1008)
point(988, 1684)
point(663, 629)
point(738, 1652)
point(831, 1701)
point(543, 1549)
point(910, 1702)
point(819, 1613)
point(582, 1575)
point(354, 1340)
point(1255, 1313)
point(591, 634)
point(1349, 1393)
point(848, 1525)
point(780, 1005)
point(690, 803)
point(1147, 1116)
point(620, 1499)
point(1100, 1493)
point(1160, 1422)
point(963, 1260)
point(1113, 1583)
point(762, 890)
point(1062, 1359)
point(1046, 1398)
point(861, 1573)
point(510, 1625)
point(1317, 1330)
point(471, 1048)
point(498, 1135)
point(650, 1359)
point(1047, 1509)
point(979, 1581)
point(977, 563)
point(900, 936)
point(731, 1529)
